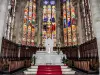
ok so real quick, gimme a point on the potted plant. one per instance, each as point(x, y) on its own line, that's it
point(33, 60)
point(58, 51)
point(95, 67)
point(64, 61)
point(5, 67)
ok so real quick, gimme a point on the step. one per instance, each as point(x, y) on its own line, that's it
point(68, 69)
point(37, 67)
point(48, 69)
point(34, 67)
point(29, 69)
point(43, 70)
point(68, 72)
point(28, 72)
point(50, 73)
point(50, 64)
point(64, 67)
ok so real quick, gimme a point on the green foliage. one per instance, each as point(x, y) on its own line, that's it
point(58, 52)
point(5, 67)
point(33, 60)
point(95, 66)
point(64, 61)
point(40, 34)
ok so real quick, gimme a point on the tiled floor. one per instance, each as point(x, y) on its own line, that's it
point(21, 73)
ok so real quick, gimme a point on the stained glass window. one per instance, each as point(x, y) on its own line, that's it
point(69, 23)
point(49, 20)
point(29, 23)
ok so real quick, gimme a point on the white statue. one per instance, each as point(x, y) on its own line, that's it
point(49, 45)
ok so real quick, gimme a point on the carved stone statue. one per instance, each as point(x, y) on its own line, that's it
point(49, 45)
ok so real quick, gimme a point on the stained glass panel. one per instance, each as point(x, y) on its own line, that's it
point(49, 21)
point(29, 23)
point(69, 23)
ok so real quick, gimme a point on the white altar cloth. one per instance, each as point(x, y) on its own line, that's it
point(44, 58)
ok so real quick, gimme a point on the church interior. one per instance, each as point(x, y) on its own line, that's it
point(49, 37)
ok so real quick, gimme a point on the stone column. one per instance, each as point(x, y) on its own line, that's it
point(95, 10)
point(3, 17)
point(19, 15)
point(58, 15)
point(79, 25)
point(39, 21)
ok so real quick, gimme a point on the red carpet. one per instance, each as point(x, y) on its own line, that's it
point(49, 70)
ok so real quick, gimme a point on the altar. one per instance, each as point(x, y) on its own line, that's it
point(44, 58)
point(49, 56)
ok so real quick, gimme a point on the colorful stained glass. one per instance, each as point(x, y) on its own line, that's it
point(65, 23)
point(69, 23)
point(52, 2)
point(29, 35)
point(65, 36)
point(33, 34)
point(46, 2)
point(49, 20)
point(64, 0)
point(29, 23)
point(73, 20)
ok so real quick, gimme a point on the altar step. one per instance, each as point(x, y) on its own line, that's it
point(61, 64)
point(49, 70)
